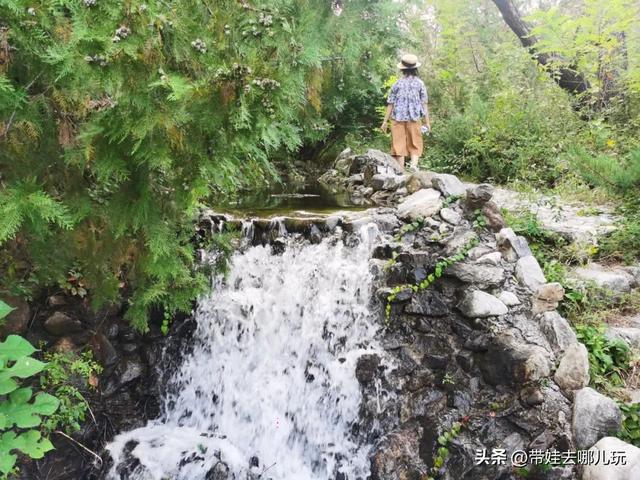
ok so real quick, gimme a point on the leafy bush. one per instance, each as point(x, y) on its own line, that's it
point(630, 431)
point(67, 375)
point(117, 120)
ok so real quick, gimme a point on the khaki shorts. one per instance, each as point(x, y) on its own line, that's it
point(406, 139)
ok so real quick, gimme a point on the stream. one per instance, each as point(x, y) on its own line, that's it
point(269, 390)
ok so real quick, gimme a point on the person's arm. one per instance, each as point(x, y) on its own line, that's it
point(387, 115)
point(425, 105)
point(427, 120)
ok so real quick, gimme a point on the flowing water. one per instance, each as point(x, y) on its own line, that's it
point(270, 387)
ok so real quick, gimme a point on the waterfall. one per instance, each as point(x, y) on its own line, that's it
point(269, 390)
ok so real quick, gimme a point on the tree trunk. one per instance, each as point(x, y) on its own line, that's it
point(567, 78)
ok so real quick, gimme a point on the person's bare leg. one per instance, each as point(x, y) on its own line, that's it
point(414, 162)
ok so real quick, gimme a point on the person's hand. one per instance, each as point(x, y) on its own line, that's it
point(383, 127)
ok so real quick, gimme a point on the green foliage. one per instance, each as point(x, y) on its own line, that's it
point(438, 271)
point(117, 120)
point(609, 360)
point(66, 376)
point(630, 431)
point(20, 410)
point(443, 451)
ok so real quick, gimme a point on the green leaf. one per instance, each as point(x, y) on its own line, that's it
point(15, 347)
point(23, 368)
point(5, 309)
point(7, 459)
point(24, 414)
point(31, 443)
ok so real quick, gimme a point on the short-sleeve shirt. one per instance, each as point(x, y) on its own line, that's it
point(408, 96)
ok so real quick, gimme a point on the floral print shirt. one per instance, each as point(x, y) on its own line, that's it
point(408, 96)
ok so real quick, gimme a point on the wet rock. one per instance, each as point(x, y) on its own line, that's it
point(481, 275)
point(450, 216)
point(573, 371)
point(103, 350)
point(547, 297)
point(509, 361)
point(594, 417)
point(220, 471)
point(374, 162)
point(449, 185)
point(395, 457)
point(615, 280)
point(17, 322)
point(419, 180)
point(56, 300)
point(421, 204)
point(477, 196)
point(510, 299)
point(366, 368)
point(128, 369)
point(627, 470)
point(61, 324)
point(478, 304)
point(557, 330)
point(428, 303)
point(315, 235)
point(529, 273)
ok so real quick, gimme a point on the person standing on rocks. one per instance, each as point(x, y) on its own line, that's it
point(407, 106)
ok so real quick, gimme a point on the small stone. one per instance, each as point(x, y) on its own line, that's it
point(17, 321)
point(510, 299)
point(479, 304)
point(103, 350)
point(61, 324)
point(594, 417)
point(56, 300)
point(573, 371)
point(532, 396)
point(418, 181)
point(421, 204)
point(449, 185)
point(478, 196)
point(557, 330)
point(529, 273)
point(65, 345)
point(627, 470)
point(383, 181)
point(366, 368)
point(450, 216)
point(547, 297)
point(511, 245)
point(493, 217)
point(493, 258)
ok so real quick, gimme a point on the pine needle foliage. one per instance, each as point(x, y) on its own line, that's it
point(118, 119)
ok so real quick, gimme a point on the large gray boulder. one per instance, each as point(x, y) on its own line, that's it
point(449, 185)
point(573, 371)
point(478, 304)
point(421, 204)
point(594, 416)
point(617, 280)
point(482, 275)
point(614, 470)
point(559, 333)
point(529, 273)
point(385, 181)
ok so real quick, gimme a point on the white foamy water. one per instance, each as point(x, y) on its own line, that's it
point(272, 373)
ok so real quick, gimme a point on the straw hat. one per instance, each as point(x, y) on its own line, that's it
point(408, 61)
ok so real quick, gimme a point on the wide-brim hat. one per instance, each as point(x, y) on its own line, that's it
point(408, 61)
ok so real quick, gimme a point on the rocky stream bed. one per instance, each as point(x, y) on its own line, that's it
point(475, 361)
